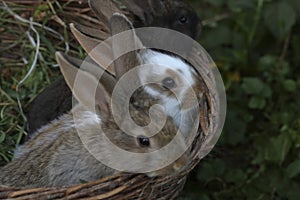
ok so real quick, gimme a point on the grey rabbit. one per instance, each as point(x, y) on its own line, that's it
point(57, 156)
point(174, 14)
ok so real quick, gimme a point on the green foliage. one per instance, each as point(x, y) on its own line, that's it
point(13, 70)
point(256, 48)
point(293, 169)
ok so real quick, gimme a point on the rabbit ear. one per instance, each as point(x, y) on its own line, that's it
point(103, 9)
point(88, 43)
point(88, 65)
point(121, 44)
point(96, 33)
point(84, 86)
point(134, 8)
point(100, 51)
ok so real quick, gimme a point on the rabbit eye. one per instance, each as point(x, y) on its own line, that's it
point(183, 19)
point(168, 83)
point(144, 141)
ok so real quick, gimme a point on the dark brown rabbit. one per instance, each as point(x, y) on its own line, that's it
point(173, 14)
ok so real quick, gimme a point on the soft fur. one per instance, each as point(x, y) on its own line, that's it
point(56, 155)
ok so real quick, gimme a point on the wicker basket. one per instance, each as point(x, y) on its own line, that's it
point(117, 187)
point(122, 185)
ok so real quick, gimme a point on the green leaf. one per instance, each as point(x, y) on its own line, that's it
point(48, 43)
point(290, 85)
point(6, 158)
point(40, 9)
point(293, 169)
point(252, 85)
point(278, 149)
point(285, 118)
point(266, 91)
point(257, 103)
point(2, 137)
point(271, 180)
point(280, 18)
point(267, 62)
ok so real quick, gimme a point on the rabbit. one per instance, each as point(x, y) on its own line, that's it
point(177, 84)
point(178, 16)
point(174, 83)
point(57, 154)
point(53, 101)
point(172, 14)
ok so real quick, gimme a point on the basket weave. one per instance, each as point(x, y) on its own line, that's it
point(122, 185)
point(116, 187)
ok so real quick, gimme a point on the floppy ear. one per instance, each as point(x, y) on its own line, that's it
point(99, 50)
point(85, 87)
point(124, 39)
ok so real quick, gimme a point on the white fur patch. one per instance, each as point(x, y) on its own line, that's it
point(167, 62)
point(88, 118)
point(163, 66)
point(172, 109)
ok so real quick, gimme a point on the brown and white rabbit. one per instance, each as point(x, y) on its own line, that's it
point(175, 83)
point(59, 154)
point(177, 15)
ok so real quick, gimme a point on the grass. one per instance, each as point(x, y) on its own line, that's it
point(27, 66)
